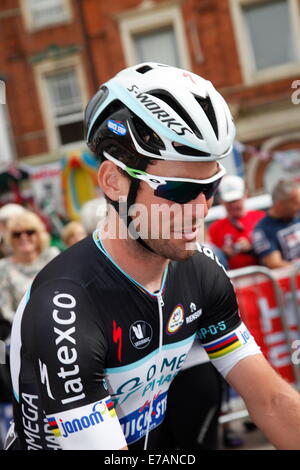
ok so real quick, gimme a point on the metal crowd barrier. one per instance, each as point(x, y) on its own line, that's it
point(238, 274)
point(295, 293)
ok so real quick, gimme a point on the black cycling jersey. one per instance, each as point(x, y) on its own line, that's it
point(93, 353)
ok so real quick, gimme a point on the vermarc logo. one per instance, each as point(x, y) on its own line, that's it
point(140, 334)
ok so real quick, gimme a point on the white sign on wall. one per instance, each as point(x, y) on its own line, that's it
point(46, 187)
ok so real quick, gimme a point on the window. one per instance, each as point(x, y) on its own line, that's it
point(270, 33)
point(157, 46)
point(7, 153)
point(154, 32)
point(268, 37)
point(66, 105)
point(62, 90)
point(42, 13)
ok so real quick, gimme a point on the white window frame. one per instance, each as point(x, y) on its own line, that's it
point(41, 71)
point(151, 17)
point(7, 149)
point(29, 20)
point(245, 51)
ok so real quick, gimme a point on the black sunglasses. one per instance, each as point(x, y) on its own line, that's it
point(29, 233)
point(179, 190)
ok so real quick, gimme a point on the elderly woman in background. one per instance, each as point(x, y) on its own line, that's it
point(29, 242)
point(72, 233)
point(7, 212)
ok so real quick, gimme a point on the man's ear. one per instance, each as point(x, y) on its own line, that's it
point(111, 181)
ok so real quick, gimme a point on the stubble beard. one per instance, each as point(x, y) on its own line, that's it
point(168, 249)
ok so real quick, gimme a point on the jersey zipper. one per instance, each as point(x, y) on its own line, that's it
point(161, 303)
point(160, 306)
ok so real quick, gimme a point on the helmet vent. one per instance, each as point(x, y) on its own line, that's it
point(207, 107)
point(169, 100)
point(148, 139)
point(144, 69)
point(185, 150)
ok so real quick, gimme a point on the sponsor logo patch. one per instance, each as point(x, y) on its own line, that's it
point(117, 338)
point(135, 424)
point(64, 327)
point(94, 415)
point(140, 334)
point(176, 320)
point(116, 127)
point(193, 316)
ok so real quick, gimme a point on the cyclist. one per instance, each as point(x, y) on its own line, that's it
point(107, 325)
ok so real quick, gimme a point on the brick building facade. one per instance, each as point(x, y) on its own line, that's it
point(52, 62)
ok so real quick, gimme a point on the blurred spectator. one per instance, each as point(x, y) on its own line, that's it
point(217, 251)
point(6, 212)
point(93, 212)
point(276, 238)
point(233, 233)
point(72, 233)
point(29, 242)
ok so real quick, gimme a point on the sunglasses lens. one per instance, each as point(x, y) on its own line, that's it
point(30, 232)
point(183, 192)
point(16, 234)
point(211, 189)
point(19, 234)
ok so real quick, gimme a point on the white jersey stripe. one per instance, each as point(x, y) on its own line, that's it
point(15, 352)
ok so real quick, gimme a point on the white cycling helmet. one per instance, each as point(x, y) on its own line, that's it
point(160, 112)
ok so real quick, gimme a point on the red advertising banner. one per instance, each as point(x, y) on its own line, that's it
point(261, 313)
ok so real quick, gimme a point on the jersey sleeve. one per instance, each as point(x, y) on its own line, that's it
point(223, 335)
point(66, 347)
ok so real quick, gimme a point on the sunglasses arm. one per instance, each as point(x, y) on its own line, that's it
point(153, 181)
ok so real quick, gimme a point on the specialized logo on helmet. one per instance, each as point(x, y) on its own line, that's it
point(176, 320)
point(159, 113)
point(116, 127)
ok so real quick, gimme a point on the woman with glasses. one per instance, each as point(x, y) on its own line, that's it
point(29, 242)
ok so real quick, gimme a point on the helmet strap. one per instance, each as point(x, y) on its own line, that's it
point(134, 186)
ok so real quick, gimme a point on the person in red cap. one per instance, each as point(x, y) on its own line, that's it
point(233, 233)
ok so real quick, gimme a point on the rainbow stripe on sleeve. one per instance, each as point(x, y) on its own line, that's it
point(54, 426)
point(110, 407)
point(223, 346)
